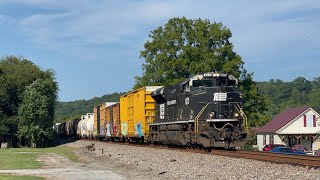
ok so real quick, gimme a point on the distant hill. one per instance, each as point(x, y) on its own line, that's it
point(282, 95)
point(68, 110)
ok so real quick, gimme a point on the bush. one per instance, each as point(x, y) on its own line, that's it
point(34, 136)
point(250, 141)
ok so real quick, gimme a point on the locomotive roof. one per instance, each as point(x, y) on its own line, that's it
point(207, 76)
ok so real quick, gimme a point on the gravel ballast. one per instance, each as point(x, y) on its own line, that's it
point(145, 162)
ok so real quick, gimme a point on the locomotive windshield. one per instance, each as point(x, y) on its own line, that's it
point(213, 82)
point(205, 83)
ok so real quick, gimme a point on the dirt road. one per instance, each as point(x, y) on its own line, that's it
point(60, 168)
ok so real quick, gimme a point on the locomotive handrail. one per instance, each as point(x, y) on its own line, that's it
point(243, 115)
point(196, 120)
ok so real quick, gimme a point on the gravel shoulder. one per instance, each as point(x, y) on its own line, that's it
point(147, 162)
point(121, 161)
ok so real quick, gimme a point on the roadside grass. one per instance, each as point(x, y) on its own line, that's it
point(12, 177)
point(18, 160)
point(26, 158)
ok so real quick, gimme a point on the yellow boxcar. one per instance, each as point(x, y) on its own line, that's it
point(137, 109)
point(102, 119)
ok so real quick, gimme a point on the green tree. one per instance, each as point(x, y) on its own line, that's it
point(184, 47)
point(34, 136)
point(16, 74)
point(256, 105)
point(36, 112)
point(315, 94)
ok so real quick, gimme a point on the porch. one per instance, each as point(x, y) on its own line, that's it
point(311, 142)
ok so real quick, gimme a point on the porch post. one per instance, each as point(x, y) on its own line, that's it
point(298, 139)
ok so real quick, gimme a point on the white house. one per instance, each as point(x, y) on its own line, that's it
point(300, 125)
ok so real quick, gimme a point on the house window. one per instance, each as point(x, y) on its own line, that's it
point(271, 141)
point(309, 120)
point(264, 139)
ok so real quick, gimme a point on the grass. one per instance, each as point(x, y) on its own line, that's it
point(17, 160)
point(11, 177)
point(26, 158)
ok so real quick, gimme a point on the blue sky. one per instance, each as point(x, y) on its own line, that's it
point(94, 45)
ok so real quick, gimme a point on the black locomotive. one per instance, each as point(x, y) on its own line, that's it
point(205, 110)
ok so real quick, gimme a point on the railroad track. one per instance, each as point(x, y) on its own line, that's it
point(297, 160)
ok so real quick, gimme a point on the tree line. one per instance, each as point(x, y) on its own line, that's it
point(281, 95)
point(66, 111)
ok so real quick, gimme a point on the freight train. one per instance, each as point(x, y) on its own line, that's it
point(203, 110)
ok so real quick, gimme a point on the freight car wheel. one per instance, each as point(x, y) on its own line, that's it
point(123, 139)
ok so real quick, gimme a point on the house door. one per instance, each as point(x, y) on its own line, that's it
point(289, 141)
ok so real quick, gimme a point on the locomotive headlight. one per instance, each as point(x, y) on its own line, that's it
point(211, 115)
point(236, 115)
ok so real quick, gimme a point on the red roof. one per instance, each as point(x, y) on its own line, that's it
point(282, 119)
